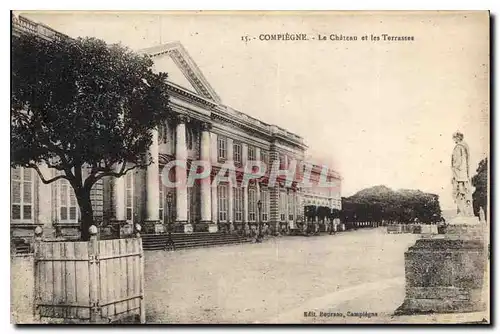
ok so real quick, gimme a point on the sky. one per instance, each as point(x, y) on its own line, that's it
point(378, 112)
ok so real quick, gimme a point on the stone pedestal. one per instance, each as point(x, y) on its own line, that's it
point(126, 230)
point(444, 273)
point(188, 228)
point(159, 228)
point(212, 228)
point(153, 226)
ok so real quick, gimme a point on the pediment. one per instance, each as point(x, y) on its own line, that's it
point(174, 59)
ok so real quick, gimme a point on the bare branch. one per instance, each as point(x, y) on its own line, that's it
point(40, 174)
point(93, 178)
point(115, 174)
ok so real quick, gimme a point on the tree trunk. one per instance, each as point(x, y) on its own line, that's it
point(87, 214)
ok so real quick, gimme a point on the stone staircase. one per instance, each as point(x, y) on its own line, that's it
point(193, 240)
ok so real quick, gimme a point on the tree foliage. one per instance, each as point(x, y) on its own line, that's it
point(382, 203)
point(85, 109)
point(480, 182)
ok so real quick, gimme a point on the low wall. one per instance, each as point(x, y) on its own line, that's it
point(412, 228)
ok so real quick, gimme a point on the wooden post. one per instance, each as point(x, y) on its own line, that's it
point(94, 275)
point(36, 271)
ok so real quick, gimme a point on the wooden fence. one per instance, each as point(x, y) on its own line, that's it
point(99, 281)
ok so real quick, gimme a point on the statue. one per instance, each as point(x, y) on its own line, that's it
point(446, 274)
point(460, 166)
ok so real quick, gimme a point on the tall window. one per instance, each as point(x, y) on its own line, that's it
point(238, 204)
point(67, 203)
point(192, 200)
point(222, 148)
point(161, 210)
point(129, 196)
point(252, 205)
point(22, 190)
point(291, 205)
point(170, 209)
point(237, 152)
point(222, 198)
point(264, 197)
point(282, 205)
point(251, 153)
point(264, 156)
point(163, 133)
point(190, 138)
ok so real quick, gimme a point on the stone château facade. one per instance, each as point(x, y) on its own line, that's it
point(203, 128)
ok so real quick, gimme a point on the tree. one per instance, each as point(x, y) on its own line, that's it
point(480, 182)
point(382, 203)
point(85, 109)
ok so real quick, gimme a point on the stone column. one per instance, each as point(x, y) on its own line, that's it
point(153, 185)
point(206, 202)
point(230, 207)
point(245, 209)
point(213, 227)
point(258, 213)
point(119, 199)
point(288, 193)
point(44, 197)
point(244, 154)
point(181, 174)
point(213, 148)
point(230, 155)
point(257, 156)
point(274, 214)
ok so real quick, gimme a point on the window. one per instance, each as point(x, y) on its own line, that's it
point(222, 148)
point(252, 205)
point(299, 207)
point(238, 204)
point(264, 156)
point(251, 153)
point(163, 133)
point(291, 205)
point(264, 197)
point(170, 209)
point(22, 194)
point(161, 211)
point(222, 199)
point(282, 205)
point(192, 201)
point(129, 196)
point(237, 152)
point(190, 138)
point(67, 203)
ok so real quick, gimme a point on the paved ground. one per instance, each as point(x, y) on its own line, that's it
point(279, 280)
